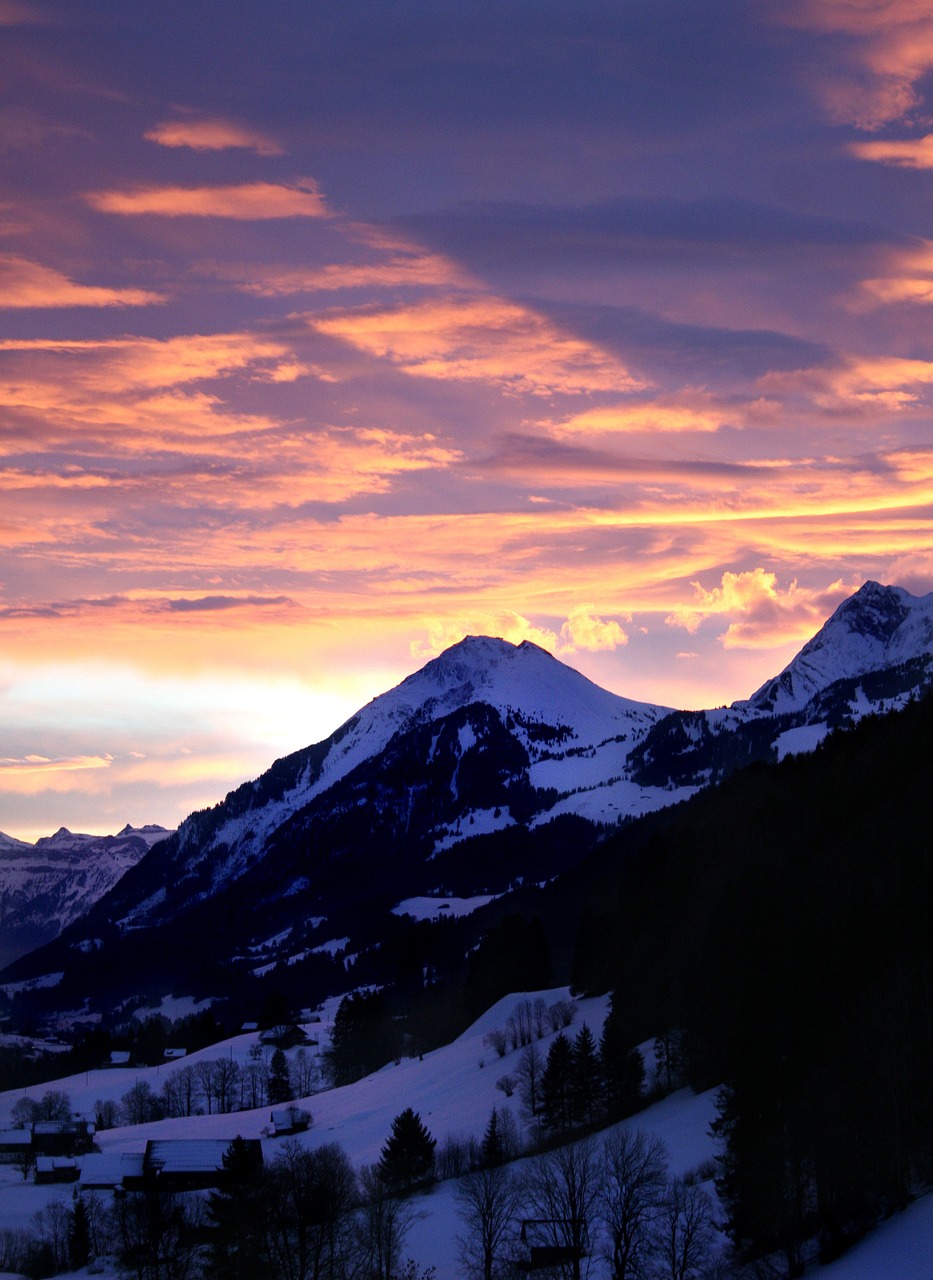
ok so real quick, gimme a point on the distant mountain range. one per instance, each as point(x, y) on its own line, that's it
point(46, 885)
point(493, 765)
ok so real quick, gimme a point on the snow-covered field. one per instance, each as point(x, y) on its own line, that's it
point(454, 1089)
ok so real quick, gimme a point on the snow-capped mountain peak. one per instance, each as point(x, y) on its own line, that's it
point(508, 676)
point(493, 764)
point(876, 627)
point(46, 885)
point(541, 698)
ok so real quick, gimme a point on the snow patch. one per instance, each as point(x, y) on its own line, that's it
point(794, 742)
point(427, 908)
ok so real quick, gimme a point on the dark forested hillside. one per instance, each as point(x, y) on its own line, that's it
point(782, 924)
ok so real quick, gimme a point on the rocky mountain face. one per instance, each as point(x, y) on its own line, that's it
point(493, 765)
point(45, 886)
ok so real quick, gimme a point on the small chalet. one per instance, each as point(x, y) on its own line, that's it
point(61, 1137)
point(14, 1145)
point(286, 1120)
point(190, 1164)
point(112, 1171)
point(119, 1058)
point(56, 1169)
point(172, 1055)
point(284, 1036)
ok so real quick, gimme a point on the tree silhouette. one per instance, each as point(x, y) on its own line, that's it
point(280, 1087)
point(408, 1155)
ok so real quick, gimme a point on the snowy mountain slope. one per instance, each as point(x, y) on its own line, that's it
point(10, 844)
point(871, 656)
point(450, 1087)
point(456, 783)
point(548, 707)
point(45, 886)
point(876, 628)
point(453, 1093)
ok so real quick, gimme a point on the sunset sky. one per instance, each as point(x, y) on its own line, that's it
point(332, 332)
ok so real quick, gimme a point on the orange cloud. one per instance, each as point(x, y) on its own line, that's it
point(29, 284)
point(418, 270)
point(767, 616)
point(908, 153)
point(909, 278)
point(120, 363)
point(481, 339)
point(582, 630)
point(252, 201)
point(211, 135)
point(872, 383)
point(667, 415)
point(891, 50)
point(33, 774)
point(585, 630)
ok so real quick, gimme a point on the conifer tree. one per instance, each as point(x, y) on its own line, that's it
point(280, 1086)
point(408, 1154)
point(237, 1213)
point(623, 1068)
point(79, 1235)
point(557, 1085)
point(492, 1142)
point(586, 1077)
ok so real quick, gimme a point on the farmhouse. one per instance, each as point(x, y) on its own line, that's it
point(190, 1164)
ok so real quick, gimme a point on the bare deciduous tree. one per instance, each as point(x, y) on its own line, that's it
point(383, 1223)
point(506, 1084)
point(225, 1077)
point(530, 1069)
point(497, 1040)
point(489, 1202)
point(631, 1195)
point(562, 1194)
point(685, 1233)
point(562, 1014)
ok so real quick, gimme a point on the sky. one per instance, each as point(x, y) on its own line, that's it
point(332, 333)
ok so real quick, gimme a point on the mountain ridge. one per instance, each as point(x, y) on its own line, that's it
point(47, 885)
point(457, 779)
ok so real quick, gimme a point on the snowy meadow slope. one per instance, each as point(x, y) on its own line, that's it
point(453, 1089)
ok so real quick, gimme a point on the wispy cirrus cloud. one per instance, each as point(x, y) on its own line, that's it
point(246, 202)
point(487, 339)
point(685, 413)
point(136, 361)
point(908, 278)
point(906, 153)
point(866, 383)
point(26, 284)
point(416, 269)
point(33, 774)
point(874, 80)
point(212, 134)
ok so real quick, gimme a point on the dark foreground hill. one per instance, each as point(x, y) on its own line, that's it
point(777, 931)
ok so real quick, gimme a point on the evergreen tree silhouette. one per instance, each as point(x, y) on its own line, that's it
point(491, 1149)
point(408, 1155)
point(280, 1089)
point(237, 1212)
point(79, 1235)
